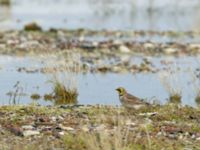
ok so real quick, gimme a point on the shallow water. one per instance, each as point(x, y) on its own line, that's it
point(178, 15)
point(100, 88)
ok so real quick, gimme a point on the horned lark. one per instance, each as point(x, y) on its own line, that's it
point(130, 101)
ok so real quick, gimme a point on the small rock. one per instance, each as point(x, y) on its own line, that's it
point(194, 45)
point(81, 38)
point(53, 119)
point(66, 128)
point(148, 114)
point(193, 136)
point(198, 139)
point(27, 45)
point(170, 50)
point(30, 133)
point(27, 127)
point(100, 127)
point(172, 136)
point(159, 134)
point(46, 128)
point(187, 134)
point(85, 128)
point(117, 42)
point(180, 137)
point(130, 123)
point(124, 49)
point(148, 45)
point(60, 118)
point(2, 46)
point(57, 134)
point(61, 133)
point(12, 42)
point(116, 69)
point(95, 44)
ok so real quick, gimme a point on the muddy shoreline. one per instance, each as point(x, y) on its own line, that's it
point(44, 127)
point(110, 52)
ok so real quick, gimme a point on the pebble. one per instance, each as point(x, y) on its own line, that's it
point(193, 136)
point(124, 49)
point(172, 136)
point(116, 69)
point(159, 134)
point(130, 123)
point(2, 46)
point(148, 114)
point(27, 127)
point(85, 128)
point(148, 45)
point(170, 50)
point(117, 42)
point(66, 128)
point(198, 139)
point(53, 119)
point(60, 118)
point(100, 127)
point(61, 133)
point(194, 45)
point(30, 133)
point(181, 136)
point(12, 42)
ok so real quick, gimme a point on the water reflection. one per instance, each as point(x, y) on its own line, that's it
point(103, 14)
point(99, 88)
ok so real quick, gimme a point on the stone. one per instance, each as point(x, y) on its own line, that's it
point(100, 127)
point(148, 45)
point(194, 45)
point(148, 114)
point(85, 128)
point(53, 119)
point(27, 127)
point(30, 133)
point(130, 123)
point(124, 49)
point(60, 118)
point(159, 134)
point(2, 46)
point(61, 133)
point(66, 128)
point(198, 139)
point(170, 50)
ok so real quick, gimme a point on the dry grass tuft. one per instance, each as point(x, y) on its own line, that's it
point(5, 2)
point(63, 94)
point(171, 83)
point(64, 79)
point(35, 96)
point(175, 98)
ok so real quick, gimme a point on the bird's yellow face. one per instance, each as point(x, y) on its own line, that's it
point(121, 91)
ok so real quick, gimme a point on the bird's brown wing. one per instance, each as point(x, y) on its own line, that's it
point(134, 100)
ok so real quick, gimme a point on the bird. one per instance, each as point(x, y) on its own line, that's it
point(129, 101)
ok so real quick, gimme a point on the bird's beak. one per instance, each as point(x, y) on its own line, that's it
point(117, 89)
